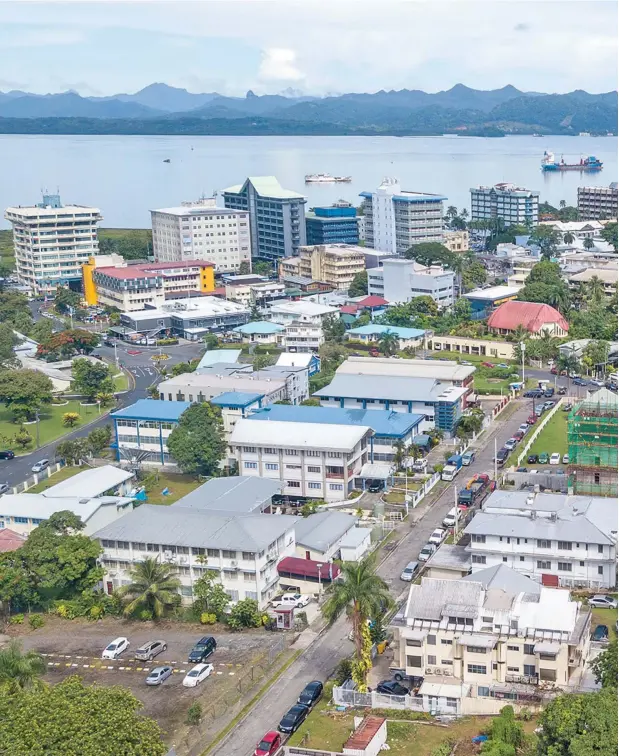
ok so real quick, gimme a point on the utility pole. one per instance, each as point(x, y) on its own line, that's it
point(495, 462)
point(523, 347)
point(456, 514)
point(36, 414)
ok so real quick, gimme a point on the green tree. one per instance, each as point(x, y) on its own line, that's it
point(588, 243)
point(546, 238)
point(42, 330)
point(99, 439)
point(245, 613)
point(474, 275)
point(8, 340)
point(389, 343)
point(244, 268)
point(180, 368)
point(597, 353)
point(70, 419)
point(74, 719)
point(360, 593)
point(67, 343)
point(609, 234)
point(546, 284)
point(72, 451)
point(604, 666)
point(462, 310)
point(568, 237)
point(197, 443)
point(23, 438)
point(65, 300)
point(91, 378)
point(262, 361)
point(153, 391)
point(359, 284)
point(153, 588)
point(211, 341)
point(595, 293)
point(333, 329)
point(311, 402)
point(210, 596)
point(19, 670)
point(429, 253)
point(255, 314)
point(24, 392)
point(14, 309)
point(263, 268)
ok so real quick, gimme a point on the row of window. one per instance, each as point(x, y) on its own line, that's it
point(541, 543)
point(195, 551)
point(542, 564)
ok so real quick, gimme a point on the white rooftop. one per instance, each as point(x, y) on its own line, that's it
point(441, 370)
point(310, 309)
point(214, 384)
point(294, 359)
point(193, 210)
point(297, 435)
point(192, 307)
point(266, 186)
point(40, 507)
point(494, 292)
point(89, 483)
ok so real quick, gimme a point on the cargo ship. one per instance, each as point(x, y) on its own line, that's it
point(326, 178)
point(590, 163)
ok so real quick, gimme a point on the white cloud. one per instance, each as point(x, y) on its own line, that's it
point(279, 64)
point(42, 38)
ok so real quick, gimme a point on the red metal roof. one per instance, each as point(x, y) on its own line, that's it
point(349, 309)
point(10, 540)
point(308, 568)
point(531, 315)
point(364, 734)
point(134, 271)
point(372, 301)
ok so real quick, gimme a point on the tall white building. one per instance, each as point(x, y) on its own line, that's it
point(512, 203)
point(400, 281)
point(52, 242)
point(201, 231)
point(396, 219)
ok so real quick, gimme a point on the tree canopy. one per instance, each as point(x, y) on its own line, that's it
point(66, 300)
point(359, 285)
point(197, 443)
point(91, 378)
point(24, 392)
point(65, 344)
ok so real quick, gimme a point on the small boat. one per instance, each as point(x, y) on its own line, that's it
point(326, 178)
point(167, 160)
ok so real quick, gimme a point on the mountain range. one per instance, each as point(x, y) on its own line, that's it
point(161, 109)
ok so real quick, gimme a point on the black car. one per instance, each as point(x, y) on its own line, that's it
point(7, 454)
point(532, 459)
point(375, 486)
point(549, 391)
point(293, 719)
point(202, 650)
point(311, 693)
point(562, 390)
point(391, 688)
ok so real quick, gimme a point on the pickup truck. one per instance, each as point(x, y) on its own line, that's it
point(420, 465)
point(295, 600)
point(452, 468)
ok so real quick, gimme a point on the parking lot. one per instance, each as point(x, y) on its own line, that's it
point(75, 648)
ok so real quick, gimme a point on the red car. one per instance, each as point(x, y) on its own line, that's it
point(488, 364)
point(269, 745)
point(532, 419)
point(133, 351)
point(519, 435)
point(553, 370)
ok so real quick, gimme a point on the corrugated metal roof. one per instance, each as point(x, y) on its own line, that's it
point(235, 399)
point(237, 494)
point(428, 599)
point(379, 330)
point(321, 530)
point(531, 315)
point(414, 368)
point(89, 483)
point(578, 529)
point(212, 356)
point(296, 435)
point(502, 577)
point(152, 409)
point(260, 327)
point(265, 186)
point(391, 388)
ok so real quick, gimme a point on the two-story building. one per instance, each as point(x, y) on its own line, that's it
point(202, 387)
point(555, 539)
point(490, 639)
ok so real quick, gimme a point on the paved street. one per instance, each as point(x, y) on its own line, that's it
point(322, 656)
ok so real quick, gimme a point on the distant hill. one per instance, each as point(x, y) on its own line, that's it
point(161, 109)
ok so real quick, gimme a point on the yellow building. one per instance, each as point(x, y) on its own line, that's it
point(334, 264)
point(456, 241)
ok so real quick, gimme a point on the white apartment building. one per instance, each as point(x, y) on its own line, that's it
point(202, 387)
point(399, 281)
point(255, 290)
point(490, 639)
point(303, 337)
point(52, 241)
point(396, 219)
point(244, 550)
point(201, 231)
point(513, 204)
point(555, 539)
point(309, 462)
point(598, 201)
point(304, 311)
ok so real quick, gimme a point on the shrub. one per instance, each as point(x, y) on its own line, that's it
point(194, 714)
point(16, 619)
point(438, 468)
point(208, 619)
point(343, 671)
point(244, 614)
point(166, 342)
point(145, 615)
point(35, 621)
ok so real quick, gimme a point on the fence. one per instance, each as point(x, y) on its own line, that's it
point(38, 477)
point(374, 700)
point(544, 480)
point(539, 429)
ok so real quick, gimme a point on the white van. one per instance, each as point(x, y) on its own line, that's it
point(451, 518)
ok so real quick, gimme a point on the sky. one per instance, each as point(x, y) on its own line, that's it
point(313, 46)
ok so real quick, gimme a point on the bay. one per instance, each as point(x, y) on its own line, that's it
point(125, 176)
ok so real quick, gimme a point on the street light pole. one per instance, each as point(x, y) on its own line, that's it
point(319, 566)
point(36, 414)
point(496, 474)
point(523, 347)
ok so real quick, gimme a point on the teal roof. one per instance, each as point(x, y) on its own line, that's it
point(235, 399)
point(259, 327)
point(266, 186)
point(152, 409)
point(378, 330)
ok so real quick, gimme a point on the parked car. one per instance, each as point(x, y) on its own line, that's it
point(409, 571)
point(518, 435)
point(7, 454)
point(502, 365)
point(296, 600)
point(539, 410)
point(555, 459)
point(374, 486)
point(501, 456)
point(510, 444)
point(4, 488)
point(158, 675)
point(437, 536)
point(38, 467)
point(311, 693)
point(197, 674)
point(115, 648)
point(532, 419)
point(601, 601)
point(548, 405)
point(562, 390)
point(566, 407)
point(549, 391)
point(269, 745)
point(148, 651)
point(579, 382)
point(488, 364)
point(595, 382)
point(543, 459)
point(553, 370)
point(522, 469)
point(565, 459)
point(468, 457)
point(293, 719)
point(524, 428)
point(533, 459)
point(202, 650)
point(391, 688)
point(600, 634)
point(420, 465)
point(426, 552)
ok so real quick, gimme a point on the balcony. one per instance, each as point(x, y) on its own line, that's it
point(523, 679)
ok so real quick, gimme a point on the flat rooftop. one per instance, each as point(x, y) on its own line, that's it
point(297, 435)
point(391, 388)
point(494, 292)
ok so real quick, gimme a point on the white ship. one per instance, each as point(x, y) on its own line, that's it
point(326, 178)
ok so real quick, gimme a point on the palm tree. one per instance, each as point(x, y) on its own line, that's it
point(360, 593)
point(154, 588)
point(548, 346)
point(568, 237)
point(594, 289)
point(389, 343)
point(562, 204)
point(19, 670)
point(464, 213)
point(452, 211)
point(588, 243)
point(399, 454)
point(520, 334)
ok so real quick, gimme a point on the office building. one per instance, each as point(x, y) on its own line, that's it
point(399, 281)
point(199, 231)
point(503, 350)
point(276, 216)
point(333, 264)
point(555, 539)
point(597, 202)
point(515, 205)
point(396, 219)
point(202, 387)
point(336, 224)
point(319, 536)
point(488, 639)
point(456, 241)
point(51, 242)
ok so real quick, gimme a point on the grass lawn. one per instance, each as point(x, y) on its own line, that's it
point(50, 424)
point(606, 617)
point(554, 436)
point(121, 382)
point(178, 486)
point(6, 247)
point(62, 474)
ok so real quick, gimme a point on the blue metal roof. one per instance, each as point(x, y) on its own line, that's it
point(152, 409)
point(259, 326)
point(378, 330)
point(382, 422)
point(236, 399)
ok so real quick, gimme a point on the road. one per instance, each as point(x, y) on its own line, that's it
point(323, 655)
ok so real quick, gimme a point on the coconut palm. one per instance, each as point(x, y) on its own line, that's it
point(360, 593)
point(19, 670)
point(389, 343)
point(562, 204)
point(105, 398)
point(153, 588)
point(568, 237)
point(520, 334)
point(594, 290)
point(588, 243)
point(548, 346)
point(399, 454)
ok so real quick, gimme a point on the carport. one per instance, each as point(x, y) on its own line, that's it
point(374, 471)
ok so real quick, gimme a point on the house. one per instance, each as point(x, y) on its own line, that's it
point(250, 290)
point(311, 463)
point(260, 332)
point(372, 333)
point(536, 318)
point(244, 551)
point(320, 535)
point(355, 544)
point(554, 539)
point(483, 301)
point(303, 337)
point(304, 311)
point(490, 638)
point(450, 562)
point(298, 359)
point(236, 495)
point(10, 540)
point(608, 277)
point(503, 350)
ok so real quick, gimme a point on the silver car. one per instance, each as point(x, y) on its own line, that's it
point(601, 601)
point(158, 675)
point(4, 488)
point(148, 651)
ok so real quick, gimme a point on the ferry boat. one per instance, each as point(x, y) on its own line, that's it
point(326, 178)
point(590, 163)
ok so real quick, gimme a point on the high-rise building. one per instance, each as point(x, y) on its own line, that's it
point(276, 216)
point(334, 264)
point(396, 219)
point(513, 204)
point(597, 202)
point(52, 241)
point(336, 224)
point(399, 281)
point(199, 231)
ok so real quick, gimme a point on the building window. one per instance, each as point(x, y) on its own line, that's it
point(600, 570)
point(271, 466)
point(432, 659)
point(269, 450)
point(543, 564)
point(548, 657)
point(600, 548)
point(249, 555)
point(251, 465)
point(513, 669)
point(448, 662)
point(478, 559)
point(336, 487)
point(482, 690)
point(293, 483)
point(228, 554)
point(529, 649)
point(548, 674)
point(446, 642)
point(21, 520)
point(413, 643)
point(431, 640)
point(249, 449)
point(543, 544)
point(291, 452)
point(476, 649)
point(564, 545)
point(529, 670)
point(312, 453)
point(314, 485)
point(211, 552)
point(478, 538)
point(476, 669)
point(313, 469)
point(564, 566)
point(414, 661)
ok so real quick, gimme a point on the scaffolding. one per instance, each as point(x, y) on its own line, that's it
point(592, 445)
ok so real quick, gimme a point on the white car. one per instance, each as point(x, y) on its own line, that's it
point(40, 466)
point(437, 536)
point(115, 648)
point(566, 459)
point(524, 428)
point(510, 444)
point(296, 600)
point(426, 552)
point(555, 459)
point(197, 674)
point(602, 601)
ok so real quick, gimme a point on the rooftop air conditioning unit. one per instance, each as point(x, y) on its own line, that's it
point(234, 563)
point(429, 670)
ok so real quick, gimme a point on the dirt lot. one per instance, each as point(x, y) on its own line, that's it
point(74, 647)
